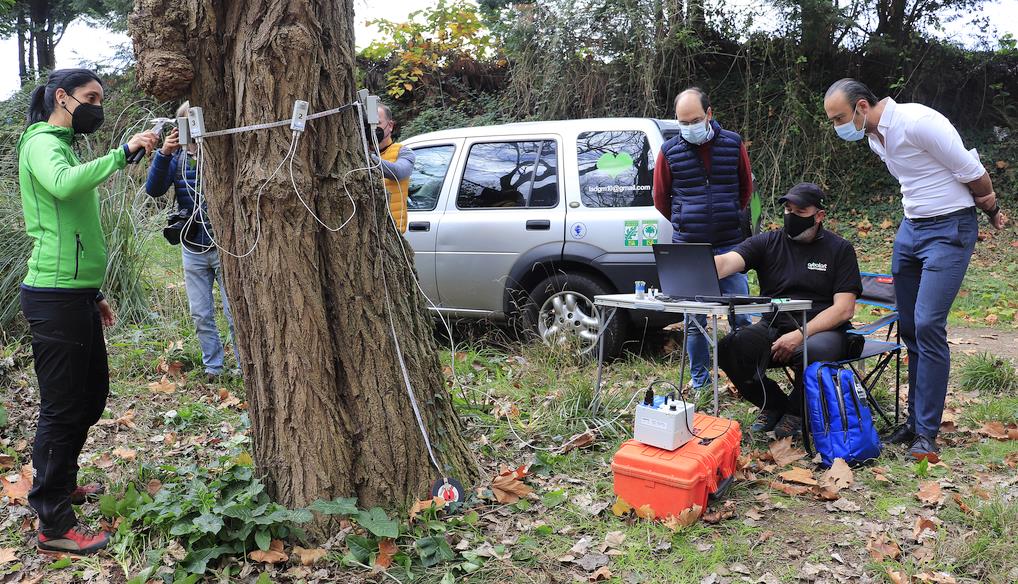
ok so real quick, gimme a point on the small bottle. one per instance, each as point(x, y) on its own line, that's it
point(640, 289)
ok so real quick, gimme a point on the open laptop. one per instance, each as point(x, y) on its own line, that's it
point(687, 272)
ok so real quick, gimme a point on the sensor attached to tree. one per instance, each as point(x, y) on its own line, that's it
point(196, 122)
point(300, 115)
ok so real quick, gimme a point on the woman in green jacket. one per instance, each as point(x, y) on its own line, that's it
point(60, 296)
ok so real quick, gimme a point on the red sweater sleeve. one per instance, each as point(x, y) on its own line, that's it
point(745, 177)
point(663, 186)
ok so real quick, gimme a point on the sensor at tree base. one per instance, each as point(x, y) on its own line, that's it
point(449, 489)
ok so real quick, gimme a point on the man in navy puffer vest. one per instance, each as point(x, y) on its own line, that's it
point(703, 183)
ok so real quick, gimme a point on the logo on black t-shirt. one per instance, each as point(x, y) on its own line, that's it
point(816, 266)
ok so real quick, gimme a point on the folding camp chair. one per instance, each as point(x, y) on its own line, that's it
point(878, 291)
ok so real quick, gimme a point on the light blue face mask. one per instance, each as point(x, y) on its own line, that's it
point(697, 133)
point(849, 132)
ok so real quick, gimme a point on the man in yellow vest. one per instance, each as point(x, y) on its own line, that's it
point(397, 163)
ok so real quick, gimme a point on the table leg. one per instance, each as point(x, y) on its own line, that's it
point(802, 378)
point(596, 402)
point(714, 336)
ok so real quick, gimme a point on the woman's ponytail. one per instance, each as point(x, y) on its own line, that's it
point(37, 106)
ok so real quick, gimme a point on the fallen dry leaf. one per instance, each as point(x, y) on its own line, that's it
point(125, 453)
point(880, 548)
point(936, 578)
point(273, 555)
point(923, 524)
point(164, 385)
point(16, 490)
point(581, 440)
point(508, 486)
point(6, 462)
point(715, 515)
point(613, 539)
point(621, 508)
point(386, 549)
point(790, 490)
point(419, 506)
point(601, 574)
point(930, 493)
point(800, 475)
point(8, 555)
point(153, 487)
point(1011, 460)
point(783, 453)
point(838, 477)
point(684, 519)
point(964, 506)
point(227, 399)
point(999, 431)
point(104, 461)
point(897, 576)
point(645, 512)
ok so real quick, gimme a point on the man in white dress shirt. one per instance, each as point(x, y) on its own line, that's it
point(942, 184)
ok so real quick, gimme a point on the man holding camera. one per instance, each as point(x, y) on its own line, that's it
point(191, 228)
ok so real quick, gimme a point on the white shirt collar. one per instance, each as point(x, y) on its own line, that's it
point(887, 116)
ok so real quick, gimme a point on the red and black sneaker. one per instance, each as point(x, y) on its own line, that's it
point(76, 541)
point(85, 492)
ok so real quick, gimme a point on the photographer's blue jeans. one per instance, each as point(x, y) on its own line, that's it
point(700, 365)
point(929, 264)
point(201, 272)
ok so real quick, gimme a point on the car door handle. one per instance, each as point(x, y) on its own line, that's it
point(538, 225)
point(420, 226)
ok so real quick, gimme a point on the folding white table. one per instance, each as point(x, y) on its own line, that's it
point(613, 302)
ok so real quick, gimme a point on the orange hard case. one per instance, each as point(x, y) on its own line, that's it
point(671, 481)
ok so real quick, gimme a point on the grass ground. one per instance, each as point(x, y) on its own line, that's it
point(520, 404)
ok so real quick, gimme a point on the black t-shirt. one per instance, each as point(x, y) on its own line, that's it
point(803, 271)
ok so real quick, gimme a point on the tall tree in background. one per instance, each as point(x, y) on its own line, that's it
point(39, 26)
point(330, 413)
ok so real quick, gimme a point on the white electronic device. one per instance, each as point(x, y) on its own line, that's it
point(371, 109)
point(183, 131)
point(665, 423)
point(300, 115)
point(196, 122)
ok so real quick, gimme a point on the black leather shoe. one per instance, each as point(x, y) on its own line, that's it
point(901, 435)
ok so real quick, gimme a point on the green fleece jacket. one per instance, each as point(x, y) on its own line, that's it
point(61, 205)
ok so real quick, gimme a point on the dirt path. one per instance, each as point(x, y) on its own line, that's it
point(968, 341)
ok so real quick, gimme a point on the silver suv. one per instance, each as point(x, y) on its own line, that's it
point(528, 222)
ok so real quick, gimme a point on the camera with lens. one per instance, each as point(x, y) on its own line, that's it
point(175, 224)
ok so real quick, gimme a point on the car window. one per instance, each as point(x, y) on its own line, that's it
point(430, 166)
point(510, 175)
point(616, 169)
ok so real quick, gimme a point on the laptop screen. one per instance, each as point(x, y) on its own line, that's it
point(686, 270)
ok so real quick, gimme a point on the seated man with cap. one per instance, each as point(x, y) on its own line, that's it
point(802, 261)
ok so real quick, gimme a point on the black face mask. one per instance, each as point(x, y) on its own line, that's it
point(796, 225)
point(379, 135)
point(86, 118)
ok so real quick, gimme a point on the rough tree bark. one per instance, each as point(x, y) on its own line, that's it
point(329, 410)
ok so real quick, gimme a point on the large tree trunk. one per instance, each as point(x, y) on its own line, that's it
point(42, 34)
point(330, 413)
point(22, 28)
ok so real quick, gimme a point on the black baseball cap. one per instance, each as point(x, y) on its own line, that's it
point(805, 195)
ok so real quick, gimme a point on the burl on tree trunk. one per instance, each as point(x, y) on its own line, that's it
point(329, 410)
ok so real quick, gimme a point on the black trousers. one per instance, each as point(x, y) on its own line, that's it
point(74, 381)
point(745, 356)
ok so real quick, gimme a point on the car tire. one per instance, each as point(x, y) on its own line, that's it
point(552, 303)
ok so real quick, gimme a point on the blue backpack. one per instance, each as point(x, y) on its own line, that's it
point(837, 417)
